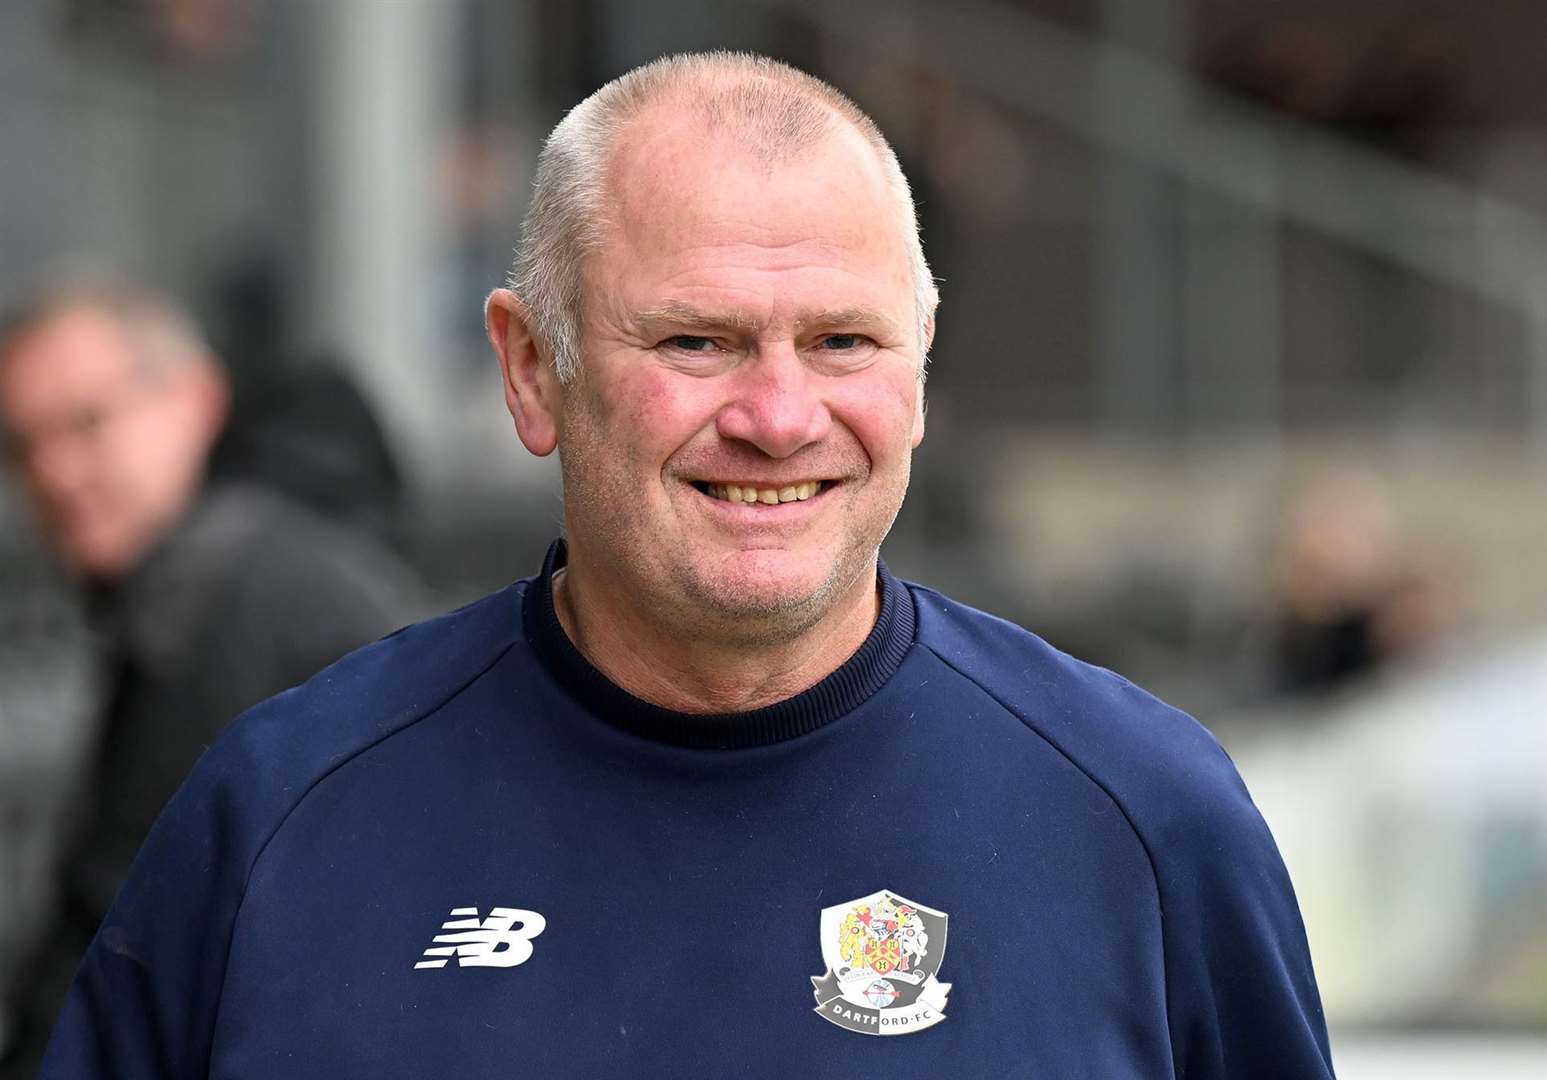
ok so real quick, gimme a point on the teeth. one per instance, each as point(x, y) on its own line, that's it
point(767, 496)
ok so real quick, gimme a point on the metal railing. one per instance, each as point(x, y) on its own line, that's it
point(1141, 109)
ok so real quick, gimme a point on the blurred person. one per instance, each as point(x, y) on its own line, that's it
point(1353, 593)
point(207, 595)
point(705, 795)
point(1334, 560)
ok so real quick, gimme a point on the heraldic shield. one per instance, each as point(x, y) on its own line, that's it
point(882, 953)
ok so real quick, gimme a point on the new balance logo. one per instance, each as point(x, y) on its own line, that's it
point(504, 939)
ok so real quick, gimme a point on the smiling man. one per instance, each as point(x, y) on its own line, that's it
point(712, 794)
point(735, 441)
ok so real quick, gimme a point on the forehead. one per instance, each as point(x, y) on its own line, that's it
point(688, 201)
point(68, 356)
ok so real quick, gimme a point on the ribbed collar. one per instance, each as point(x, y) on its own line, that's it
point(844, 690)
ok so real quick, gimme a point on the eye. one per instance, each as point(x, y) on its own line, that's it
point(88, 422)
point(842, 342)
point(691, 343)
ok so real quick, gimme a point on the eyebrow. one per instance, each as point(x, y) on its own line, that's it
point(679, 314)
point(676, 313)
point(853, 318)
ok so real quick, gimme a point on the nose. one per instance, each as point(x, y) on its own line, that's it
point(775, 405)
point(54, 468)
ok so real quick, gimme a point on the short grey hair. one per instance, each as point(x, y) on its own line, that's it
point(161, 334)
point(773, 109)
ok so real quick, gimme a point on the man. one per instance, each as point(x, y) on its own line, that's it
point(713, 794)
point(207, 596)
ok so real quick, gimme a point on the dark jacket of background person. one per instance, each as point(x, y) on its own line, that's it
point(279, 564)
point(250, 595)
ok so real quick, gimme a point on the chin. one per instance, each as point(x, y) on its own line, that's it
point(773, 585)
point(96, 557)
point(94, 566)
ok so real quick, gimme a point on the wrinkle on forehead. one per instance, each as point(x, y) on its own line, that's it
point(700, 233)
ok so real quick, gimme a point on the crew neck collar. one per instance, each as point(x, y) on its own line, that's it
point(860, 676)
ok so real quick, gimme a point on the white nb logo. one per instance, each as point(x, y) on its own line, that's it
point(497, 941)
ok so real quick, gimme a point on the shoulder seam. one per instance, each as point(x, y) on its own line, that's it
point(1105, 790)
point(335, 767)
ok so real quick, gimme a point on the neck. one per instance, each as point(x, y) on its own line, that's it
point(689, 672)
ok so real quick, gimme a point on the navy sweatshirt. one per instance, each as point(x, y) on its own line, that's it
point(462, 852)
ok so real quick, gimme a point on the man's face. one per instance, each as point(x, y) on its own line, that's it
point(110, 454)
point(745, 326)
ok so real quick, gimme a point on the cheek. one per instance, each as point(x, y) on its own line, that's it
point(658, 413)
point(617, 435)
point(147, 455)
point(882, 415)
point(648, 407)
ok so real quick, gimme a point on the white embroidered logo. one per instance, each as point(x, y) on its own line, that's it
point(882, 954)
point(493, 942)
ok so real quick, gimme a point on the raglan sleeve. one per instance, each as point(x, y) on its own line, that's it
point(1241, 993)
point(145, 997)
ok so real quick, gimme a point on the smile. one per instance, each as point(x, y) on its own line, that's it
point(768, 496)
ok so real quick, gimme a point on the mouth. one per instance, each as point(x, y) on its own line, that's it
point(764, 496)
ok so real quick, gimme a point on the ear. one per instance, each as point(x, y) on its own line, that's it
point(204, 391)
point(217, 393)
point(919, 406)
point(532, 390)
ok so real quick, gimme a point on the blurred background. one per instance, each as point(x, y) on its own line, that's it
point(1240, 385)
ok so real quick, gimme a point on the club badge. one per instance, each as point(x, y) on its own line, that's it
point(882, 952)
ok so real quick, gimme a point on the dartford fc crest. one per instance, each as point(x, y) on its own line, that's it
point(882, 953)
